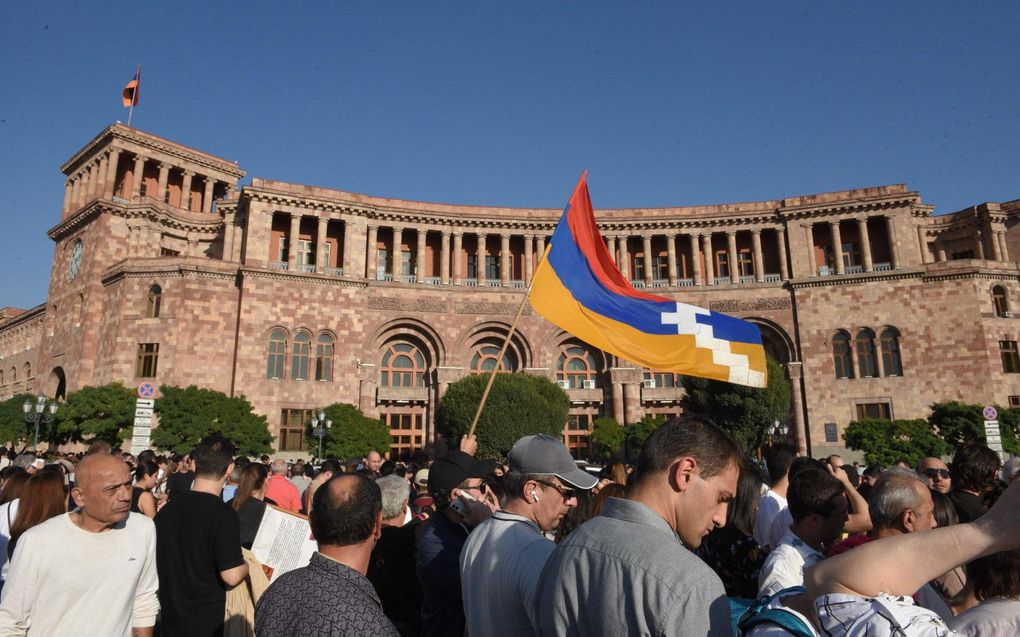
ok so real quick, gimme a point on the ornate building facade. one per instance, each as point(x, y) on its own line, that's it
point(166, 269)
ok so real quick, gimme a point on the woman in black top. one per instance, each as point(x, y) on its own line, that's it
point(142, 500)
point(250, 501)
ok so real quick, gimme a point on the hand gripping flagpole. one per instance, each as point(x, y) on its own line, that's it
point(499, 359)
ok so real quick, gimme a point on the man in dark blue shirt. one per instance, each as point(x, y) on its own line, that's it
point(454, 476)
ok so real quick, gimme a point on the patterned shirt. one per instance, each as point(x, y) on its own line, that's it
point(324, 599)
point(785, 565)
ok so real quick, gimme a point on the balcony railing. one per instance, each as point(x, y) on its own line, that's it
point(334, 271)
point(854, 269)
point(637, 283)
point(685, 283)
point(494, 283)
point(278, 265)
point(722, 280)
point(517, 283)
point(660, 283)
point(431, 280)
point(306, 267)
point(745, 279)
point(471, 283)
point(882, 267)
point(408, 278)
point(385, 277)
point(773, 278)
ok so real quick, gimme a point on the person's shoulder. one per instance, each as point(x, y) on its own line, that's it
point(56, 527)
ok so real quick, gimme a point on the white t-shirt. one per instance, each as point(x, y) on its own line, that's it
point(67, 581)
point(500, 567)
point(8, 512)
point(770, 505)
point(785, 565)
point(995, 617)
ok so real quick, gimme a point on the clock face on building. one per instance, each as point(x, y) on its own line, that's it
point(76, 254)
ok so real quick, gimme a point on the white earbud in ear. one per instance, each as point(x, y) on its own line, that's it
point(534, 495)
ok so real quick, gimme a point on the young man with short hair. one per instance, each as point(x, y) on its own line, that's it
point(198, 553)
point(630, 570)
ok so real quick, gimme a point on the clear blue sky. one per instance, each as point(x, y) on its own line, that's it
point(506, 103)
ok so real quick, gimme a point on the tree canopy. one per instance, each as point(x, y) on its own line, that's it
point(104, 413)
point(519, 404)
point(13, 428)
point(963, 423)
point(886, 442)
point(186, 415)
point(638, 433)
point(607, 438)
point(746, 413)
point(352, 435)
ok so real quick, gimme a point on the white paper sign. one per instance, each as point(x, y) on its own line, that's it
point(284, 541)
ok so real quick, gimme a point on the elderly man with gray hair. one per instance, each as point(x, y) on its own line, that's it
point(280, 490)
point(392, 568)
point(900, 503)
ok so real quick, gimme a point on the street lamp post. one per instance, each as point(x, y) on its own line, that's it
point(43, 414)
point(322, 425)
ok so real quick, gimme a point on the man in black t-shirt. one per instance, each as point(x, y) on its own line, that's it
point(198, 547)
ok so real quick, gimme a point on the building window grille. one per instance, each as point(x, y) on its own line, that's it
point(403, 365)
point(276, 354)
point(841, 355)
point(299, 357)
point(153, 302)
point(148, 360)
point(866, 363)
point(1010, 357)
point(892, 365)
point(324, 358)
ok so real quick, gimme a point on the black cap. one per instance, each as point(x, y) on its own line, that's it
point(453, 468)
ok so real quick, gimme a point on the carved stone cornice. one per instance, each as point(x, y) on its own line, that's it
point(856, 279)
point(304, 277)
point(114, 132)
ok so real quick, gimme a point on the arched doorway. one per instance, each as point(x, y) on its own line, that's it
point(56, 384)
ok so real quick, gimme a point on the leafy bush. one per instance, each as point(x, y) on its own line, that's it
point(188, 415)
point(638, 433)
point(13, 428)
point(352, 435)
point(885, 442)
point(104, 413)
point(519, 405)
point(963, 423)
point(607, 438)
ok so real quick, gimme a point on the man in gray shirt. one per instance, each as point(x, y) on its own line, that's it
point(630, 571)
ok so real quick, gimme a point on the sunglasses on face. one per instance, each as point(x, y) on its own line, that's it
point(563, 491)
point(481, 488)
point(937, 473)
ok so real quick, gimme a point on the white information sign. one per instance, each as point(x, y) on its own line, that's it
point(993, 436)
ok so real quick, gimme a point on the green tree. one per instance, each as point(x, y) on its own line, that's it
point(104, 413)
point(885, 442)
point(746, 413)
point(607, 438)
point(186, 415)
point(519, 404)
point(352, 435)
point(13, 428)
point(638, 433)
point(963, 423)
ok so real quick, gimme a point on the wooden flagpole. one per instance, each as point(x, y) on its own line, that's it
point(499, 358)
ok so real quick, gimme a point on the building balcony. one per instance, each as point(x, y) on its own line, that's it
point(518, 283)
point(882, 267)
point(585, 395)
point(403, 394)
point(722, 280)
point(637, 283)
point(773, 278)
point(432, 280)
point(278, 265)
point(408, 278)
point(494, 283)
point(662, 394)
point(747, 279)
point(471, 283)
point(334, 271)
point(306, 267)
point(660, 283)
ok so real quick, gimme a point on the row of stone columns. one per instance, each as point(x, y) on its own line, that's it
point(98, 178)
point(996, 240)
point(862, 231)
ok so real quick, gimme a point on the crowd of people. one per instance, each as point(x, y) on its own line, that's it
point(694, 539)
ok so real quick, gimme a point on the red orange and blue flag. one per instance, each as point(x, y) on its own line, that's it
point(577, 287)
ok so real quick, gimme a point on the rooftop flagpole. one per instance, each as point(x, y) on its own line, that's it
point(134, 92)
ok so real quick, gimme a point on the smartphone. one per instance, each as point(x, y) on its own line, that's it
point(459, 504)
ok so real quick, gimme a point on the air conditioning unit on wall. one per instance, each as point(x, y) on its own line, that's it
point(649, 383)
point(564, 384)
point(588, 384)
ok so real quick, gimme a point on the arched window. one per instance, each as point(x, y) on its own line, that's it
point(484, 358)
point(153, 302)
point(14, 374)
point(576, 365)
point(276, 354)
point(1000, 301)
point(403, 365)
point(28, 371)
point(324, 358)
point(891, 363)
point(299, 356)
point(841, 355)
point(866, 363)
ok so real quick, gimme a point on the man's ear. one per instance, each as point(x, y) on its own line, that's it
point(230, 469)
point(908, 520)
point(377, 531)
point(78, 496)
point(681, 473)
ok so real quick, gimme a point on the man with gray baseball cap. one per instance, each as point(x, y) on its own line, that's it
point(503, 558)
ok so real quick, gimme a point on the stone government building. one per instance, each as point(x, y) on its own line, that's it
point(166, 269)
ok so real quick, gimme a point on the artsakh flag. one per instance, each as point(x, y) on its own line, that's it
point(130, 96)
point(578, 288)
